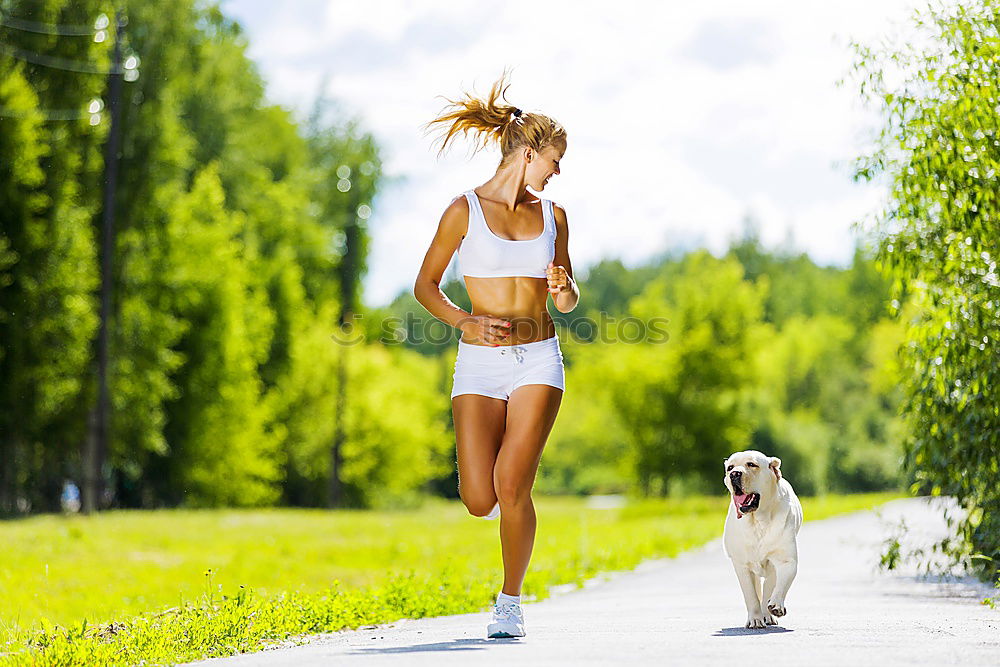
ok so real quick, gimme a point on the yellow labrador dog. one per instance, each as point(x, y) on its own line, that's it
point(760, 531)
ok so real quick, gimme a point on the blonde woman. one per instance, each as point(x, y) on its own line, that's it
point(509, 376)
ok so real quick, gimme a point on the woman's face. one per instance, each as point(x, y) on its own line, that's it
point(544, 165)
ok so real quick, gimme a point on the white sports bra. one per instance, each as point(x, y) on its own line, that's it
point(483, 254)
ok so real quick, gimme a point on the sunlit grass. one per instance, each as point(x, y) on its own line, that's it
point(224, 581)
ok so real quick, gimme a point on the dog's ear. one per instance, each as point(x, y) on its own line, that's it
point(775, 466)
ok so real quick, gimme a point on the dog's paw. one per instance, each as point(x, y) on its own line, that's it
point(755, 621)
point(776, 609)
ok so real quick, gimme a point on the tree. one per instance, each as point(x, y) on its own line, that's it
point(231, 253)
point(48, 198)
point(937, 151)
point(683, 399)
point(349, 169)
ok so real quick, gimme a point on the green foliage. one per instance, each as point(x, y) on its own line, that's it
point(204, 287)
point(588, 448)
point(241, 240)
point(819, 412)
point(820, 389)
point(223, 454)
point(610, 285)
point(398, 436)
point(798, 287)
point(48, 196)
point(937, 152)
point(206, 585)
point(674, 405)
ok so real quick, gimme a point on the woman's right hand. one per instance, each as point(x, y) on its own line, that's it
point(487, 329)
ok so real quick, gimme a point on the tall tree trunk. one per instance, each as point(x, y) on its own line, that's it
point(335, 489)
point(7, 473)
point(89, 494)
point(349, 277)
point(99, 423)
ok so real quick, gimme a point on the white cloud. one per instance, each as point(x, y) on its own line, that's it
point(682, 117)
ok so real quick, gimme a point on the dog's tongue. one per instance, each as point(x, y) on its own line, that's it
point(739, 499)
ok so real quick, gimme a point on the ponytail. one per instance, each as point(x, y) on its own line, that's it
point(492, 121)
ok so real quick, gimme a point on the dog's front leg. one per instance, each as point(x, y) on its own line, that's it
point(785, 574)
point(770, 579)
point(748, 582)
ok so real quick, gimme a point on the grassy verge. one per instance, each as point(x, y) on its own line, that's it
point(230, 581)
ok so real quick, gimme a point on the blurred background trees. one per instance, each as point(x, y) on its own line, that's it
point(242, 240)
point(50, 174)
point(229, 264)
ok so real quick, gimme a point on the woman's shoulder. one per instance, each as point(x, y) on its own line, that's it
point(559, 218)
point(458, 204)
point(558, 211)
point(456, 214)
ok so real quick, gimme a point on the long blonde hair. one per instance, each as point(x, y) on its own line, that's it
point(490, 121)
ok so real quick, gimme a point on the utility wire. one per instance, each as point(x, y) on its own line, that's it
point(54, 62)
point(49, 114)
point(58, 63)
point(45, 28)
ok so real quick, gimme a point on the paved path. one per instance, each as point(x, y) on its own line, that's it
point(689, 611)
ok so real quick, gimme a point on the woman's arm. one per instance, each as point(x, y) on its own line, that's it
point(568, 294)
point(453, 226)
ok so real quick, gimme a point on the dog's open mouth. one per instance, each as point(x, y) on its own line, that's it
point(745, 503)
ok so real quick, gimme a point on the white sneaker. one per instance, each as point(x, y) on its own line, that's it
point(507, 621)
point(494, 513)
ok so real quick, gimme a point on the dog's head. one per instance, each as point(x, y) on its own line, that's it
point(749, 476)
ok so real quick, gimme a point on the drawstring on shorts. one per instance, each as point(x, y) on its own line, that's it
point(518, 351)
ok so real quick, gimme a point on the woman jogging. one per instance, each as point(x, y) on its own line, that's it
point(509, 378)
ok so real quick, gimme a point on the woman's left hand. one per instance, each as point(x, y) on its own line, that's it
point(559, 280)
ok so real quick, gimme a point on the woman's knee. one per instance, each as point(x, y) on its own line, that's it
point(478, 504)
point(512, 489)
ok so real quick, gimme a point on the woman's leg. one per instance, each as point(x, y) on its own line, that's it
point(531, 412)
point(479, 427)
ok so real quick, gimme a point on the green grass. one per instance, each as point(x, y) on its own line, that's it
point(178, 585)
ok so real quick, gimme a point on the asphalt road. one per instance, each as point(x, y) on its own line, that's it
point(689, 611)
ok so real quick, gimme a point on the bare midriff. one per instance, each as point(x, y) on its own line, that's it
point(520, 299)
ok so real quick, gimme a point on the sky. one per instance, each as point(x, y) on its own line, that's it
point(683, 118)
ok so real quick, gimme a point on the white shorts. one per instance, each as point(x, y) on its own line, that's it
point(498, 371)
